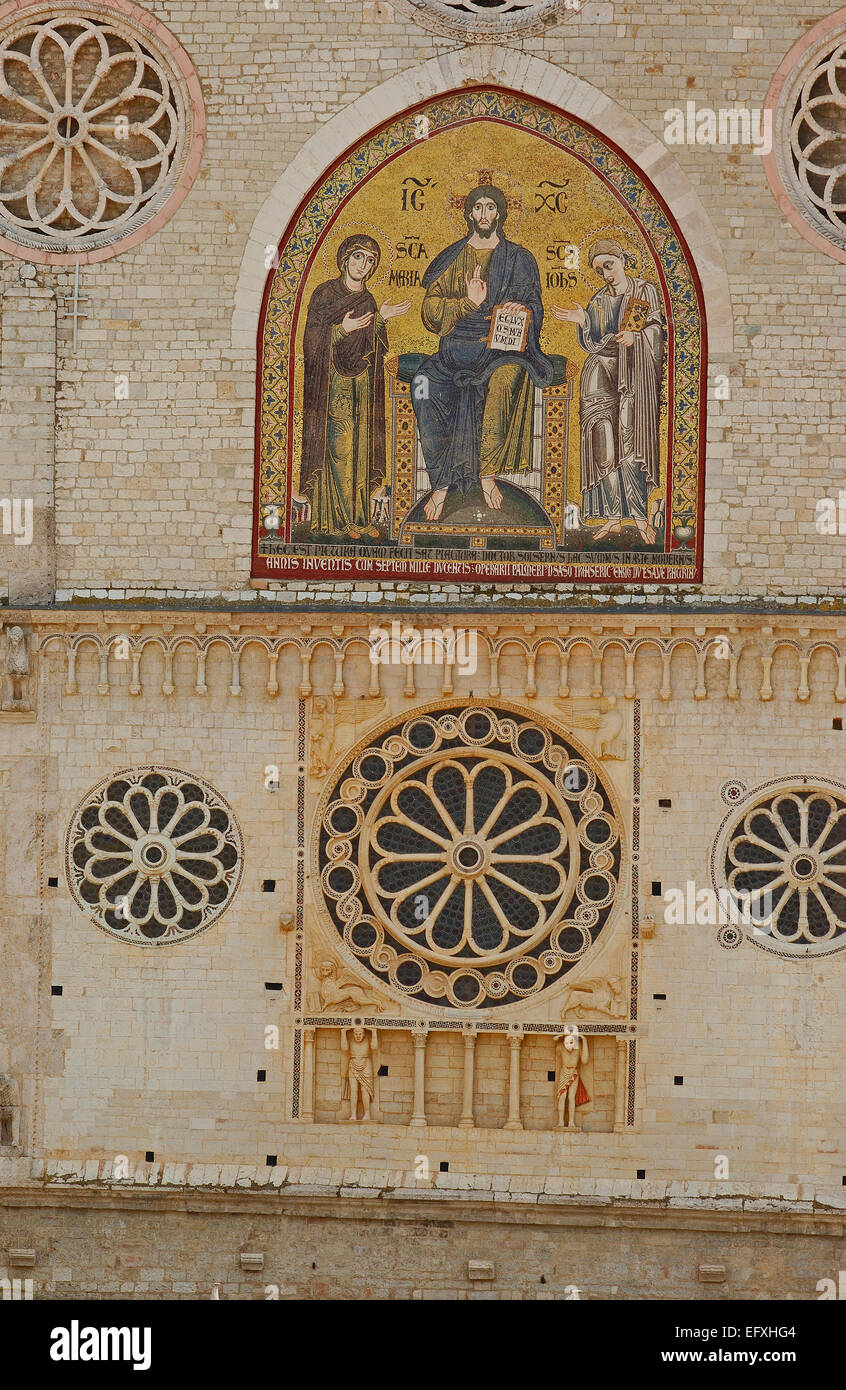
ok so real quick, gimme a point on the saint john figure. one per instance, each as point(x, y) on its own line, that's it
point(342, 474)
point(620, 396)
point(474, 406)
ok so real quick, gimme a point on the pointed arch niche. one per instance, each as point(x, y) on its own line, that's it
point(545, 141)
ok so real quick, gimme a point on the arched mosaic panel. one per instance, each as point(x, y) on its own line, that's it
point(469, 855)
point(482, 356)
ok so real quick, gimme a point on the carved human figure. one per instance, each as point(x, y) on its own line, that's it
point(571, 1053)
point(10, 1110)
point(332, 726)
point(17, 670)
point(359, 1062)
point(338, 991)
point(321, 735)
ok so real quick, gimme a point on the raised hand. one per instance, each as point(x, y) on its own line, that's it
point(476, 288)
point(351, 324)
point(576, 315)
point(392, 311)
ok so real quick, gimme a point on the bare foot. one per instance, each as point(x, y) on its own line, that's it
point(493, 496)
point(647, 532)
point(435, 505)
point(611, 528)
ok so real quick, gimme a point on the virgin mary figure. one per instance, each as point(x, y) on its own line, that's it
point(342, 472)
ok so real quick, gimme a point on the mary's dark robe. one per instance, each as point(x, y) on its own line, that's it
point(450, 388)
point(343, 454)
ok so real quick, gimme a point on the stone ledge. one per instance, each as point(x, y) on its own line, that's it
point(403, 1185)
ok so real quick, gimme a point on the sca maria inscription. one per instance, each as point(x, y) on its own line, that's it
point(482, 357)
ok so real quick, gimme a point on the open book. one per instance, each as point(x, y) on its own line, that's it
point(508, 331)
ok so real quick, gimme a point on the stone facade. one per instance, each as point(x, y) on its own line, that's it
point(206, 1075)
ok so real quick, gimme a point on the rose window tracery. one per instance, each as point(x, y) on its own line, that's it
point(480, 19)
point(783, 861)
point(96, 128)
point(469, 856)
point(154, 855)
point(807, 103)
point(818, 140)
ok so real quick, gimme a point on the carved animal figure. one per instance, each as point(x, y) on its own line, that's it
point(338, 991)
point(596, 997)
point(604, 720)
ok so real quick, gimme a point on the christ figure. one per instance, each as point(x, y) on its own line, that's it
point(474, 404)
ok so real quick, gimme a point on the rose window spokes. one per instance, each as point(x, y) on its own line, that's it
point(473, 857)
point(470, 855)
point(91, 128)
point(155, 856)
point(786, 862)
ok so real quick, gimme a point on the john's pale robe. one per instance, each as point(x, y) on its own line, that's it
point(620, 402)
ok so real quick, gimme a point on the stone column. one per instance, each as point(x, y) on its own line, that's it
point(307, 1096)
point(513, 1121)
point(467, 1121)
point(27, 442)
point(418, 1113)
point(620, 1085)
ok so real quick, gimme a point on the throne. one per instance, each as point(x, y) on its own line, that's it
point(532, 513)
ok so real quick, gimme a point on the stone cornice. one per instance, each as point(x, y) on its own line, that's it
point(730, 1214)
point(732, 653)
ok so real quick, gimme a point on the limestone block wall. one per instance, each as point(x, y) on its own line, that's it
point(123, 1050)
point(153, 492)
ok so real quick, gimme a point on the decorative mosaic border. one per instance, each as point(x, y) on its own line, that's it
point(686, 345)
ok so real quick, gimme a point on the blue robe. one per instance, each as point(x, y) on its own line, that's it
point(449, 390)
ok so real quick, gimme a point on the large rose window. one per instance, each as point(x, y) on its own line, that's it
point(783, 860)
point(154, 855)
point(470, 856)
